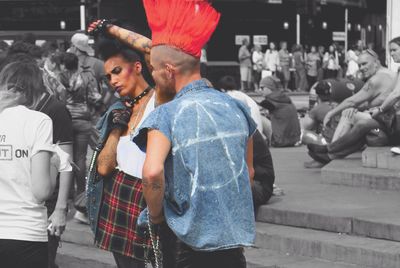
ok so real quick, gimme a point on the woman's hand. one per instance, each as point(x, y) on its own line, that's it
point(120, 119)
point(98, 26)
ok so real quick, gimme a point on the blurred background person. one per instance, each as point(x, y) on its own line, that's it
point(330, 63)
point(313, 63)
point(299, 65)
point(283, 114)
point(284, 65)
point(25, 177)
point(271, 59)
point(245, 65)
point(257, 59)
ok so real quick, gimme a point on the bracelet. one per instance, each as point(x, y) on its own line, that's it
point(380, 109)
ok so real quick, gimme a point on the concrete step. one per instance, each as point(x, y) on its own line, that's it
point(78, 256)
point(350, 172)
point(333, 208)
point(78, 233)
point(365, 252)
point(380, 157)
point(264, 258)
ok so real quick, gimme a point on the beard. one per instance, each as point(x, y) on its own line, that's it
point(164, 94)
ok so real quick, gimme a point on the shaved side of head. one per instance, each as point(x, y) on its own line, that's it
point(184, 63)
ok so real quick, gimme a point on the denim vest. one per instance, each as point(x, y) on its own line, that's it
point(94, 182)
point(208, 202)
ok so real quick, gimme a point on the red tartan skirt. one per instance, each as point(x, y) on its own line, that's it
point(117, 230)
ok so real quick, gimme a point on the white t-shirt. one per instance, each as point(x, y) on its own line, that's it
point(23, 133)
point(130, 158)
point(254, 109)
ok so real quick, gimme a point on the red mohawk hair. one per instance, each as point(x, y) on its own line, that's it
point(183, 24)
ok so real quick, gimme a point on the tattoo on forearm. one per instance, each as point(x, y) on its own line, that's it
point(135, 40)
point(146, 45)
point(154, 186)
point(105, 160)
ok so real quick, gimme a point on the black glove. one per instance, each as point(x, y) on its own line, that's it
point(120, 119)
point(98, 27)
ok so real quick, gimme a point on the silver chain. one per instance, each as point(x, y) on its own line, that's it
point(155, 242)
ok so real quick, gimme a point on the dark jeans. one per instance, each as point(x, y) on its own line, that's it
point(177, 254)
point(261, 194)
point(123, 261)
point(352, 141)
point(22, 254)
point(81, 132)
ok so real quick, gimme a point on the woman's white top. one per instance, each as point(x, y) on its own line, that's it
point(271, 60)
point(130, 158)
point(23, 133)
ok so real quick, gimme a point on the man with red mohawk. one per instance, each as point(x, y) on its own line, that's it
point(198, 169)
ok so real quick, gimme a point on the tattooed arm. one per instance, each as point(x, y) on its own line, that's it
point(158, 147)
point(107, 159)
point(134, 40)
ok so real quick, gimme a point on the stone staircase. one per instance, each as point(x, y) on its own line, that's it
point(345, 215)
point(350, 216)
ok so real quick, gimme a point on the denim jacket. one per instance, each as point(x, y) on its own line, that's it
point(94, 182)
point(208, 202)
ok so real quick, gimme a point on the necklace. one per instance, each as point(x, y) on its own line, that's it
point(130, 102)
point(136, 122)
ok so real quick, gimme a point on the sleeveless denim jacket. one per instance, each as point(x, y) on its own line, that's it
point(208, 201)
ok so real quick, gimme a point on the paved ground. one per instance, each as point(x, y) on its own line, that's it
point(306, 203)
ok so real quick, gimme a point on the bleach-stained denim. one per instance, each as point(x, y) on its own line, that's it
point(208, 202)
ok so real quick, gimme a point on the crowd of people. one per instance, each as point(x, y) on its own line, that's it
point(179, 166)
point(367, 116)
point(299, 68)
point(151, 137)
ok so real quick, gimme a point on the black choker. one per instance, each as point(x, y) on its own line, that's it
point(131, 102)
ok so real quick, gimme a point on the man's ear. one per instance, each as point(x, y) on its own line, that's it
point(170, 70)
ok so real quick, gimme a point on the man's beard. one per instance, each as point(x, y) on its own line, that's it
point(164, 95)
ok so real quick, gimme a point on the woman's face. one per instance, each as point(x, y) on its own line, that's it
point(395, 52)
point(313, 49)
point(122, 75)
point(272, 46)
point(331, 49)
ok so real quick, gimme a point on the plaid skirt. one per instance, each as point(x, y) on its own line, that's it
point(117, 230)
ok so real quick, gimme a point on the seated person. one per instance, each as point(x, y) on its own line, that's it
point(264, 175)
point(283, 114)
point(313, 132)
point(354, 125)
point(314, 122)
point(341, 89)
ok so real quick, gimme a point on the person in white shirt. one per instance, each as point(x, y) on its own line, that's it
point(227, 84)
point(26, 148)
point(271, 59)
point(257, 58)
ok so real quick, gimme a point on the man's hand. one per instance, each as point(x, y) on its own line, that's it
point(58, 222)
point(98, 26)
point(120, 119)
